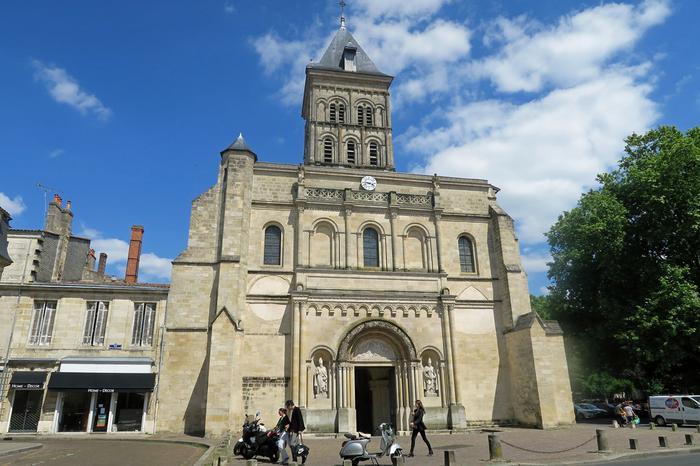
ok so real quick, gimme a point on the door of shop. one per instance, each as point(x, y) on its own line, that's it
point(26, 410)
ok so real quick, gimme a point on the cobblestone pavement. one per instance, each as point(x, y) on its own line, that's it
point(564, 444)
point(95, 452)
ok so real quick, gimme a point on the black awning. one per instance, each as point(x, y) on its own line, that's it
point(102, 382)
point(26, 380)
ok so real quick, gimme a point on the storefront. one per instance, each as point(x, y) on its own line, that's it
point(27, 398)
point(102, 396)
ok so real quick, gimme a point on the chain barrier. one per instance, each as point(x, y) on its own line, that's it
point(547, 452)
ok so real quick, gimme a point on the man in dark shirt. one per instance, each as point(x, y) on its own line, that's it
point(296, 426)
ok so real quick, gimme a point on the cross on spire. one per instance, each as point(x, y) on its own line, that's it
point(342, 13)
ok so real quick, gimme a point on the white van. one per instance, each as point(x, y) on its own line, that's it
point(674, 409)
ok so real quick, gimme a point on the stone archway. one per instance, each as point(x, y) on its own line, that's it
point(378, 376)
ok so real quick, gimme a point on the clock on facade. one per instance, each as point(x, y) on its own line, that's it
point(368, 183)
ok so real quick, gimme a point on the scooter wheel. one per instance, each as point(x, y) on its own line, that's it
point(355, 462)
point(247, 453)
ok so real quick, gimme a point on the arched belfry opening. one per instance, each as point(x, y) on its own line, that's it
point(378, 376)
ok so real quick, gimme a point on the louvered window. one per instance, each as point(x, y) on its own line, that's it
point(328, 150)
point(466, 255)
point(341, 113)
point(360, 115)
point(351, 152)
point(369, 117)
point(144, 324)
point(370, 243)
point(273, 246)
point(95, 323)
point(373, 154)
point(41, 330)
point(333, 114)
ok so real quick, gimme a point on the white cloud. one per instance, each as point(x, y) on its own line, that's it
point(535, 261)
point(56, 153)
point(542, 153)
point(573, 51)
point(229, 8)
point(151, 266)
point(65, 89)
point(13, 205)
point(398, 8)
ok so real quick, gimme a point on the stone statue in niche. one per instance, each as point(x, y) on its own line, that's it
point(300, 174)
point(321, 380)
point(430, 379)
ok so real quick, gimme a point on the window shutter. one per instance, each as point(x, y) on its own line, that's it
point(138, 324)
point(148, 324)
point(341, 113)
point(369, 116)
point(36, 322)
point(360, 115)
point(89, 329)
point(101, 323)
point(47, 323)
point(332, 112)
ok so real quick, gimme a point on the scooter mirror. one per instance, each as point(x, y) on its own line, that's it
point(257, 414)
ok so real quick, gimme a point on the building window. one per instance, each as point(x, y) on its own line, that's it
point(95, 323)
point(144, 323)
point(328, 150)
point(360, 115)
point(341, 113)
point(41, 330)
point(273, 246)
point(466, 255)
point(333, 113)
point(373, 154)
point(370, 246)
point(351, 152)
point(369, 118)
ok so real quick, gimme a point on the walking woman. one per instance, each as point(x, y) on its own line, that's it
point(418, 427)
point(281, 428)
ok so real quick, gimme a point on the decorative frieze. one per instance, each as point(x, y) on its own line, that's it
point(370, 197)
point(319, 309)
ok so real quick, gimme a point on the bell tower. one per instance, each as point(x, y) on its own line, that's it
point(346, 108)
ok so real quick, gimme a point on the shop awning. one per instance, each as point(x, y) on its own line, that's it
point(26, 380)
point(102, 382)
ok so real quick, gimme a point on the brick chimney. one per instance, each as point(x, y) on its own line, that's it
point(90, 264)
point(132, 264)
point(102, 264)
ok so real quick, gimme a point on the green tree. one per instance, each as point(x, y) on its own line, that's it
point(626, 266)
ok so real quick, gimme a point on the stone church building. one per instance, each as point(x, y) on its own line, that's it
point(351, 288)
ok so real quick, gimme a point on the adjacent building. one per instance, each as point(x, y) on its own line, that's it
point(352, 288)
point(80, 349)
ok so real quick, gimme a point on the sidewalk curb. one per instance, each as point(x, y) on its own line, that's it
point(20, 450)
point(614, 457)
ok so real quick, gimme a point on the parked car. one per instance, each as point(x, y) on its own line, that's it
point(588, 411)
point(678, 409)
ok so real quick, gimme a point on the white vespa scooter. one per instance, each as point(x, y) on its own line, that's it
point(355, 448)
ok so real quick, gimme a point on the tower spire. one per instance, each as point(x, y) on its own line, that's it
point(342, 14)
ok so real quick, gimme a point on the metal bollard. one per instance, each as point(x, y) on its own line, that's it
point(689, 439)
point(495, 448)
point(615, 424)
point(634, 444)
point(674, 427)
point(347, 463)
point(663, 441)
point(602, 439)
point(450, 458)
point(293, 463)
point(634, 426)
point(652, 426)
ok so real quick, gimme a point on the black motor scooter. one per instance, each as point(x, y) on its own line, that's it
point(261, 443)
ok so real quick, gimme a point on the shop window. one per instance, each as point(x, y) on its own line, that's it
point(75, 412)
point(466, 255)
point(129, 413)
point(41, 330)
point(26, 408)
point(95, 323)
point(100, 417)
point(273, 246)
point(144, 323)
point(370, 243)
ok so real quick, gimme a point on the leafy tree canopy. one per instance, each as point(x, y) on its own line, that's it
point(626, 268)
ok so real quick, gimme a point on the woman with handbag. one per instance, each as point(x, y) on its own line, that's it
point(418, 427)
point(281, 428)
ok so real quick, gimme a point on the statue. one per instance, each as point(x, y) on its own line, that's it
point(430, 379)
point(436, 182)
point(321, 380)
point(300, 174)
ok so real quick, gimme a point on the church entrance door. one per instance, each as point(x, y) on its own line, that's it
point(375, 397)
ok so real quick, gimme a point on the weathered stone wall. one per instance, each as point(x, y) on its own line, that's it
point(24, 249)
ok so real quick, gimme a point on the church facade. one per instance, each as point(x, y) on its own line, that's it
point(351, 288)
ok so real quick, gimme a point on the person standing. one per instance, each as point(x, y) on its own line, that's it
point(281, 428)
point(418, 427)
point(296, 427)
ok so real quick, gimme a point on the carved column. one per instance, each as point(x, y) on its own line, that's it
point(450, 320)
point(438, 236)
point(392, 220)
point(300, 235)
point(442, 384)
point(296, 362)
point(447, 346)
point(348, 237)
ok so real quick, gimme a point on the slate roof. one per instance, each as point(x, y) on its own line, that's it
point(239, 144)
point(331, 59)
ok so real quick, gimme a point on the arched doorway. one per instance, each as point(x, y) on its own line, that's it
point(378, 375)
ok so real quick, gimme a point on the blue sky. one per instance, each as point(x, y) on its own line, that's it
point(123, 107)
